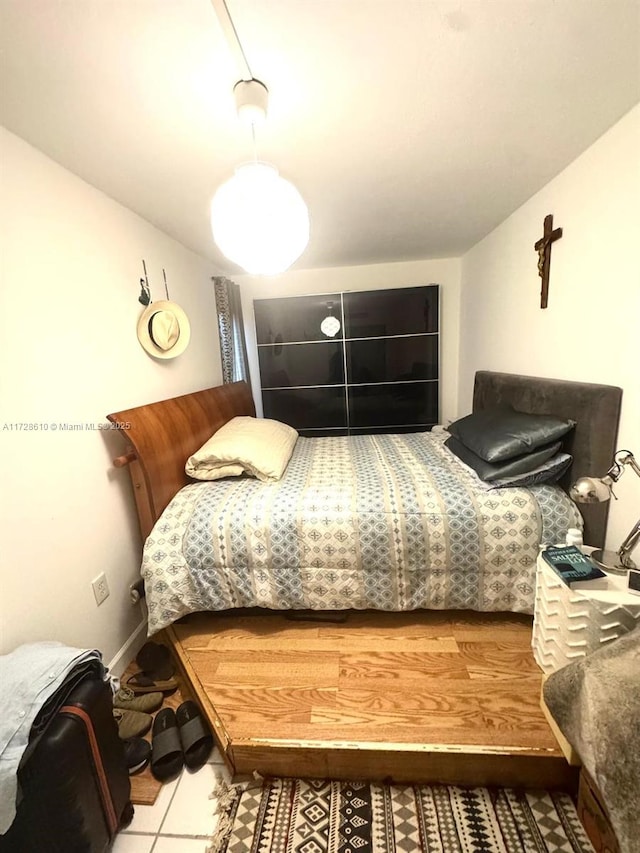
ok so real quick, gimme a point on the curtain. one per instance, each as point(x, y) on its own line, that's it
point(233, 347)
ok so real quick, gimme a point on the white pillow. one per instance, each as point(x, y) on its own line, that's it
point(256, 446)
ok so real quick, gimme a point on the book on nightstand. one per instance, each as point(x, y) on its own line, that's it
point(573, 567)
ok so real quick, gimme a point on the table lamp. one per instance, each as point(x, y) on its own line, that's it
point(590, 490)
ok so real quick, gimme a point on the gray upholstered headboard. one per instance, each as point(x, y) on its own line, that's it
point(595, 408)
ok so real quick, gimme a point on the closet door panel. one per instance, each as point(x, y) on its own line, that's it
point(323, 433)
point(401, 404)
point(307, 408)
point(285, 365)
point(405, 311)
point(294, 319)
point(392, 359)
point(389, 429)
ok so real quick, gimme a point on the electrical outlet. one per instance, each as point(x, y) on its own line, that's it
point(100, 588)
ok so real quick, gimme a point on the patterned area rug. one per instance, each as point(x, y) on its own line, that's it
point(320, 816)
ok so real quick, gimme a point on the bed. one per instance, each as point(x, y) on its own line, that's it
point(384, 522)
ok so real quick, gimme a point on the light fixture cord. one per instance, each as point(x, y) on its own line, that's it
point(233, 40)
point(229, 29)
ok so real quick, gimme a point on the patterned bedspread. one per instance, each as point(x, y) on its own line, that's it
point(385, 522)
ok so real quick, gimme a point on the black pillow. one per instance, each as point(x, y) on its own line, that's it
point(509, 468)
point(498, 434)
point(547, 473)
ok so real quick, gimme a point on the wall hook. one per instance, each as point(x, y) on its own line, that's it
point(145, 293)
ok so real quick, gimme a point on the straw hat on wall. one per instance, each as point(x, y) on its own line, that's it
point(163, 329)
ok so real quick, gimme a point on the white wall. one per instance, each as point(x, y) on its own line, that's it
point(71, 262)
point(591, 328)
point(445, 272)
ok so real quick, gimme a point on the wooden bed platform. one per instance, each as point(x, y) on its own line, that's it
point(414, 697)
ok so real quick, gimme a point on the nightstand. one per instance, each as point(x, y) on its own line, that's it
point(569, 624)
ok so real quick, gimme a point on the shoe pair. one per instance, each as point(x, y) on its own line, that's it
point(180, 738)
point(156, 670)
point(133, 713)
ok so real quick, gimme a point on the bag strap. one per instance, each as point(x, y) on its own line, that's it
point(105, 790)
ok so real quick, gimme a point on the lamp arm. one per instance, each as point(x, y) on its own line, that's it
point(633, 537)
point(630, 460)
point(628, 545)
point(622, 457)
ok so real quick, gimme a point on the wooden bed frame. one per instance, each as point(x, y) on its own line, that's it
point(163, 435)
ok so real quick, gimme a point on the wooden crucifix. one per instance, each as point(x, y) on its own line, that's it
point(543, 248)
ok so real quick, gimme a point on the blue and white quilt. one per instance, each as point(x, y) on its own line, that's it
point(383, 522)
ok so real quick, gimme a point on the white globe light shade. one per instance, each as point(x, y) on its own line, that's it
point(259, 220)
point(330, 326)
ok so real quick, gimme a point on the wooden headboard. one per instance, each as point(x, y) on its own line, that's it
point(163, 435)
point(596, 410)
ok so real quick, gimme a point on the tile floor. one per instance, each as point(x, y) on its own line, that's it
point(182, 818)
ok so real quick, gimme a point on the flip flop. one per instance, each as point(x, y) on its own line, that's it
point(142, 682)
point(196, 739)
point(167, 758)
point(155, 660)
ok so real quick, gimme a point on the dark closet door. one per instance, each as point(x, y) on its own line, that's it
point(375, 367)
point(384, 313)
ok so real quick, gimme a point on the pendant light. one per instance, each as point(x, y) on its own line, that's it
point(259, 220)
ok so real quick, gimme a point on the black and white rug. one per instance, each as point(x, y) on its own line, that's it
point(321, 816)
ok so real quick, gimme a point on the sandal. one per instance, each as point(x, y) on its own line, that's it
point(142, 682)
point(196, 739)
point(167, 758)
point(155, 660)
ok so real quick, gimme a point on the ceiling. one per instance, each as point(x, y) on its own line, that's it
point(411, 127)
